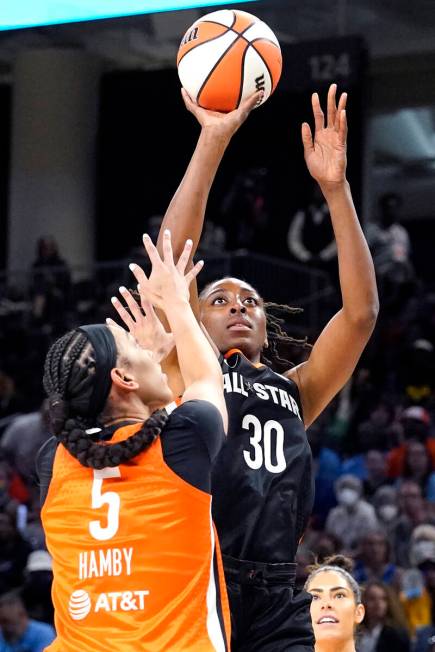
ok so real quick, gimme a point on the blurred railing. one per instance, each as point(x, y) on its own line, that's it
point(276, 280)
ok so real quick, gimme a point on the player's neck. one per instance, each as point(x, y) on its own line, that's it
point(334, 646)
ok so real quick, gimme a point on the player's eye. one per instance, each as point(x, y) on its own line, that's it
point(340, 595)
point(218, 301)
point(251, 301)
point(314, 596)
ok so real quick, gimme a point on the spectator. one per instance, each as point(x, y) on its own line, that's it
point(245, 212)
point(390, 246)
point(8, 505)
point(13, 554)
point(416, 371)
point(384, 627)
point(310, 236)
point(325, 545)
point(418, 583)
point(376, 476)
point(418, 467)
point(385, 502)
point(22, 440)
point(51, 284)
point(353, 517)
point(327, 468)
point(10, 401)
point(425, 640)
point(36, 590)
point(18, 632)
point(415, 425)
point(414, 511)
point(374, 561)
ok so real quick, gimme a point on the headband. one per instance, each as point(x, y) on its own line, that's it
point(106, 353)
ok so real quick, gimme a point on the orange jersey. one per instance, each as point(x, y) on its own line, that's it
point(135, 558)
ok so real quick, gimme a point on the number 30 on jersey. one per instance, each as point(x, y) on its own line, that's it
point(264, 440)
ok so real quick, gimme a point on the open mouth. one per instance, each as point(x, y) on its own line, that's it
point(327, 620)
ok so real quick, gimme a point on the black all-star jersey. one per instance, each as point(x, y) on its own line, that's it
point(262, 482)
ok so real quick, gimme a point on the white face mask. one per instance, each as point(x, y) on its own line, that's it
point(348, 497)
point(388, 512)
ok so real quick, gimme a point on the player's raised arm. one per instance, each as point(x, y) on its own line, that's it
point(169, 291)
point(185, 214)
point(339, 346)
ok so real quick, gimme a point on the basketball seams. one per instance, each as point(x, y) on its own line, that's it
point(204, 83)
point(264, 61)
point(242, 78)
point(238, 32)
point(213, 38)
point(268, 40)
point(209, 40)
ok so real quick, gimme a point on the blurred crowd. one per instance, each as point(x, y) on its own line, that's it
point(373, 448)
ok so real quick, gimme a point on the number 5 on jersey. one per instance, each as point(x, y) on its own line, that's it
point(261, 444)
point(99, 499)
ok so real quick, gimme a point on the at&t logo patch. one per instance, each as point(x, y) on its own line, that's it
point(79, 605)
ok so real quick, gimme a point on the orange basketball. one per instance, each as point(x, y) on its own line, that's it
point(226, 56)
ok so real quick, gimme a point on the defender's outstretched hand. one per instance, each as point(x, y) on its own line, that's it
point(225, 124)
point(325, 154)
point(144, 324)
point(167, 279)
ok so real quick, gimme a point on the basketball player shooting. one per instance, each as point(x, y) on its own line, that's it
point(262, 502)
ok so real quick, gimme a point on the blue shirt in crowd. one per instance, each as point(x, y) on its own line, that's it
point(35, 639)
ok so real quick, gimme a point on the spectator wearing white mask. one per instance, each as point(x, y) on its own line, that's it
point(353, 517)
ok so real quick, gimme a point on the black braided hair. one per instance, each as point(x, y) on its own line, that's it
point(69, 374)
point(276, 336)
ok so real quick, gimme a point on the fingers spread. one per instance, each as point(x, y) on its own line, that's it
point(319, 119)
point(342, 130)
point(123, 313)
point(332, 107)
point(194, 272)
point(168, 257)
point(185, 256)
point(113, 324)
point(151, 251)
point(131, 302)
point(146, 304)
point(307, 138)
point(139, 274)
point(341, 106)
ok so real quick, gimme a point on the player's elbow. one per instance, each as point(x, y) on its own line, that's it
point(364, 319)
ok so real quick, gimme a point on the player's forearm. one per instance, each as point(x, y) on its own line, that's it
point(196, 358)
point(185, 214)
point(357, 275)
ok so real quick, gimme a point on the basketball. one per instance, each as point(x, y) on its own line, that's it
point(227, 55)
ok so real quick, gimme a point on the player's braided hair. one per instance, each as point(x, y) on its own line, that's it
point(276, 335)
point(69, 375)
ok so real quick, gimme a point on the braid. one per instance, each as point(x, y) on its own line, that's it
point(100, 455)
point(276, 335)
point(69, 374)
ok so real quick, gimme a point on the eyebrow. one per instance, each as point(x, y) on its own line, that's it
point(247, 290)
point(334, 588)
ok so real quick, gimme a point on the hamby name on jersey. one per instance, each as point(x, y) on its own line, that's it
point(111, 562)
point(235, 382)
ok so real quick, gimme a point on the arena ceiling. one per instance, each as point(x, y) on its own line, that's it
point(390, 27)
